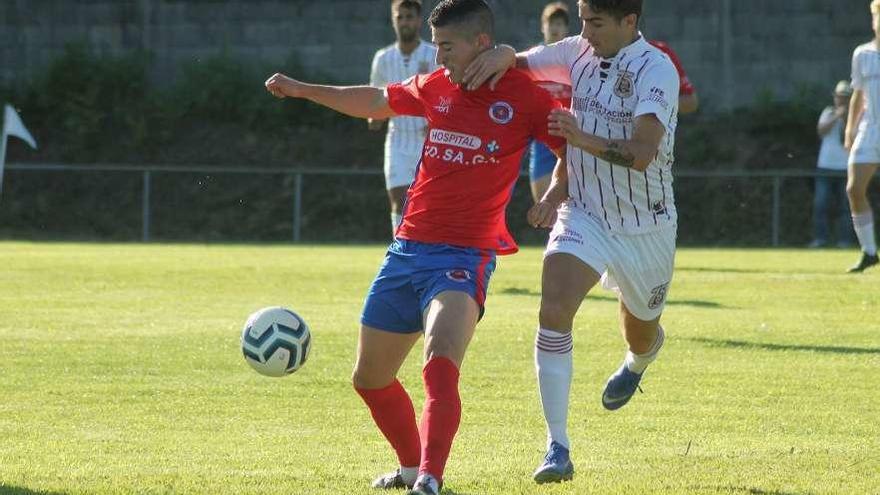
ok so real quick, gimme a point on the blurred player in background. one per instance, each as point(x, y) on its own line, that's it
point(688, 101)
point(436, 272)
point(409, 56)
point(613, 205)
point(863, 140)
point(555, 20)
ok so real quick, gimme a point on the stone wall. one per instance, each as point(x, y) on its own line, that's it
point(732, 49)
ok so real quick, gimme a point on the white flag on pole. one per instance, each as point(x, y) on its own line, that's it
point(13, 126)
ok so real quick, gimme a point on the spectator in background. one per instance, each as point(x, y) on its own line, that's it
point(830, 197)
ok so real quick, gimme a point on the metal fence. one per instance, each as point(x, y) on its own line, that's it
point(147, 173)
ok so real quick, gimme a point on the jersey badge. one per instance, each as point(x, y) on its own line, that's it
point(501, 112)
point(444, 106)
point(623, 88)
point(458, 275)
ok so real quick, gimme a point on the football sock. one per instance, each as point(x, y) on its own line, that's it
point(637, 363)
point(393, 412)
point(863, 223)
point(441, 416)
point(553, 364)
point(395, 222)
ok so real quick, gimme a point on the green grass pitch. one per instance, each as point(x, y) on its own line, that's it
point(120, 372)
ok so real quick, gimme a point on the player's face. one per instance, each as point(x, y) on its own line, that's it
point(606, 34)
point(457, 48)
point(841, 100)
point(554, 30)
point(406, 23)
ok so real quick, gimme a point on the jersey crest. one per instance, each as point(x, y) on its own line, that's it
point(501, 112)
point(623, 88)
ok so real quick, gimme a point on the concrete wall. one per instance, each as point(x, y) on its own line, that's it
point(732, 49)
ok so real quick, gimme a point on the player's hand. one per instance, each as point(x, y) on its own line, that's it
point(282, 86)
point(848, 141)
point(542, 215)
point(490, 65)
point(564, 124)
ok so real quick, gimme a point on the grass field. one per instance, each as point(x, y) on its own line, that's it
point(120, 372)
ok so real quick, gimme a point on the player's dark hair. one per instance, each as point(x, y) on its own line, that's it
point(476, 14)
point(408, 4)
point(554, 11)
point(616, 8)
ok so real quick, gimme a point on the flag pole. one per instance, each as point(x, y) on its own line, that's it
point(3, 139)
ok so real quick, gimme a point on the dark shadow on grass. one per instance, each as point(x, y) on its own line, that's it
point(18, 490)
point(707, 269)
point(749, 490)
point(519, 291)
point(741, 344)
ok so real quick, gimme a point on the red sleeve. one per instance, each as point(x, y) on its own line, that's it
point(685, 88)
point(405, 98)
point(544, 103)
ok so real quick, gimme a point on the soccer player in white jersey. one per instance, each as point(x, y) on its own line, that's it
point(862, 138)
point(611, 208)
point(408, 56)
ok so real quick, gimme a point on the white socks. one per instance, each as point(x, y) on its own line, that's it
point(409, 474)
point(553, 365)
point(863, 223)
point(637, 363)
point(396, 218)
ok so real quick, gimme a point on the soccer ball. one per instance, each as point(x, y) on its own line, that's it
point(275, 341)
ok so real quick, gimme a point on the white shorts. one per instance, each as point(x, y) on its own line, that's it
point(866, 148)
point(637, 267)
point(400, 166)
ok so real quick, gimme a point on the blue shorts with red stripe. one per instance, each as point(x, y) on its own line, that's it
point(414, 273)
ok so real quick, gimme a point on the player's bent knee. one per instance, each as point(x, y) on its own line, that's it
point(366, 380)
point(556, 315)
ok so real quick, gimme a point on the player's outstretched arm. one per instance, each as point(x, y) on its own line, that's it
point(543, 213)
point(357, 101)
point(856, 106)
point(636, 153)
point(491, 66)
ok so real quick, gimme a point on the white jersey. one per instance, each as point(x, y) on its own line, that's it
point(405, 134)
point(607, 96)
point(866, 77)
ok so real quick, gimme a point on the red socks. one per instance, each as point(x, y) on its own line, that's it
point(441, 415)
point(393, 412)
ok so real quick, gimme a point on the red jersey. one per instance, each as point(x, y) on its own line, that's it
point(471, 157)
point(560, 92)
point(685, 87)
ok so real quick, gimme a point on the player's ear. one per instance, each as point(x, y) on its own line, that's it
point(631, 20)
point(484, 41)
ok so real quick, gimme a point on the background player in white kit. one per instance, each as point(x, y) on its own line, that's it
point(409, 56)
point(863, 140)
point(617, 219)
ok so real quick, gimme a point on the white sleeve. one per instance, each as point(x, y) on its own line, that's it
point(827, 116)
point(377, 78)
point(657, 92)
point(553, 62)
point(858, 81)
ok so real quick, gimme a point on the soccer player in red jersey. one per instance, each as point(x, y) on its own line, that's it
point(435, 274)
point(688, 101)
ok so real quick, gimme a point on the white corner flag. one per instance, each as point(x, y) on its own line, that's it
point(12, 126)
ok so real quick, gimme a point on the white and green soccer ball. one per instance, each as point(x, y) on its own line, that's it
point(275, 341)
